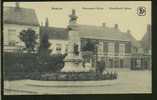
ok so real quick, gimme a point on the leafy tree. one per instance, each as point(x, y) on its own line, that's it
point(89, 46)
point(29, 38)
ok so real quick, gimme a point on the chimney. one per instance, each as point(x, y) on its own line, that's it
point(148, 28)
point(103, 24)
point(116, 26)
point(17, 5)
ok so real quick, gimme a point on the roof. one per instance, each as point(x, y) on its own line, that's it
point(100, 32)
point(134, 42)
point(91, 32)
point(55, 32)
point(22, 16)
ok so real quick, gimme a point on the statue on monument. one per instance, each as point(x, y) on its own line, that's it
point(73, 17)
point(73, 61)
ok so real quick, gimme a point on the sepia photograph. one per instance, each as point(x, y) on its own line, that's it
point(92, 47)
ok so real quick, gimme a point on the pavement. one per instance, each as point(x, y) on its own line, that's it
point(128, 82)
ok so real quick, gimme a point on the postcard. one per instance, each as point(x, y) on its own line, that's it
point(77, 47)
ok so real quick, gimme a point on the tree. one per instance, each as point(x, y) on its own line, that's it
point(29, 38)
point(89, 46)
point(44, 44)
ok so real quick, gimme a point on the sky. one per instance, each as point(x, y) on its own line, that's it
point(123, 13)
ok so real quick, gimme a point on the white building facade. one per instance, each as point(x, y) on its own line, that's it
point(15, 20)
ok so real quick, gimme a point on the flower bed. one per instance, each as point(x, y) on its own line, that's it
point(74, 76)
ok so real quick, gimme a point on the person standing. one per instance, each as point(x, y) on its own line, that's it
point(100, 67)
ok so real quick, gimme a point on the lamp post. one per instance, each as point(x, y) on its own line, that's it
point(96, 54)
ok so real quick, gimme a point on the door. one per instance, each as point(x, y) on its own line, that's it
point(110, 63)
point(121, 63)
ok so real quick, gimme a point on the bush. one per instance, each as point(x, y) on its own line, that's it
point(27, 63)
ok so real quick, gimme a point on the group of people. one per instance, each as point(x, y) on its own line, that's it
point(100, 66)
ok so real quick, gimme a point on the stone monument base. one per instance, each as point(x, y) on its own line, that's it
point(73, 65)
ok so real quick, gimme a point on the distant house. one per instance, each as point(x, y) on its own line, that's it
point(16, 19)
point(146, 44)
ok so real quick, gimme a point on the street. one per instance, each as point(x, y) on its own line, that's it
point(128, 82)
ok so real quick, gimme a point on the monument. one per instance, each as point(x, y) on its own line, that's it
point(73, 61)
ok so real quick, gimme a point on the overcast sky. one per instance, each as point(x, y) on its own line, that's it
point(94, 13)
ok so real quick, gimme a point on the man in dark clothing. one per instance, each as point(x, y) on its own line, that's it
point(100, 67)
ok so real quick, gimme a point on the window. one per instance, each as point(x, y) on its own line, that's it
point(111, 48)
point(105, 47)
point(12, 43)
point(122, 49)
point(12, 37)
point(128, 48)
point(116, 47)
point(100, 47)
point(58, 49)
point(87, 45)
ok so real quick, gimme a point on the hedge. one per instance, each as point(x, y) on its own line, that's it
point(22, 64)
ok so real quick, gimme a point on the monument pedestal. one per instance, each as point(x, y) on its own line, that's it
point(73, 64)
point(73, 61)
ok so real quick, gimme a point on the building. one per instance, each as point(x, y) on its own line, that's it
point(141, 56)
point(146, 40)
point(147, 48)
point(113, 46)
point(116, 48)
point(16, 19)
